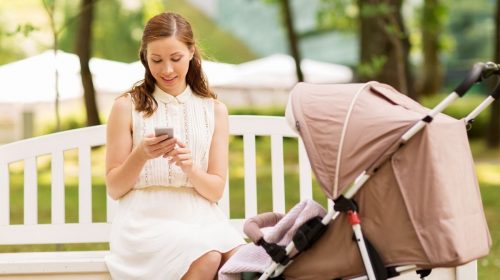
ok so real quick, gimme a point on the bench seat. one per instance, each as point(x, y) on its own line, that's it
point(54, 265)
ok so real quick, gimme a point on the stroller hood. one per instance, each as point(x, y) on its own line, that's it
point(422, 207)
point(347, 127)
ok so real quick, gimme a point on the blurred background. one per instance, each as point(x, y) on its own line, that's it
point(63, 62)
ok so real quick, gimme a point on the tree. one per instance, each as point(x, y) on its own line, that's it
point(292, 37)
point(384, 45)
point(293, 41)
point(50, 9)
point(493, 136)
point(83, 50)
point(432, 20)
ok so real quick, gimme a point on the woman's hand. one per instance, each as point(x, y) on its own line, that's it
point(181, 156)
point(153, 147)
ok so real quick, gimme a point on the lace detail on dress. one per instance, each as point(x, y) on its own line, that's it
point(169, 178)
point(191, 117)
point(186, 135)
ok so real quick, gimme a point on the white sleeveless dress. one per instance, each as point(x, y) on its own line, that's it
point(163, 224)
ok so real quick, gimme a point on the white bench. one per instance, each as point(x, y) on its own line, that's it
point(90, 264)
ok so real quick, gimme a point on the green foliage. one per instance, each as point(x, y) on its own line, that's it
point(8, 53)
point(263, 111)
point(393, 30)
point(338, 15)
point(376, 10)
point(373, 67)
point(152, 8)
point(216, 44)
point(69, 122)
point(24, 29)
point(116, 39)
point(119, 39)
point(433, 16)
point(472, 28)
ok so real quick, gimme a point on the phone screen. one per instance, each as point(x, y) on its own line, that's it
point(159, 131)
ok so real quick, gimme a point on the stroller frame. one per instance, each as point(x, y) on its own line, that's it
point(375, 270)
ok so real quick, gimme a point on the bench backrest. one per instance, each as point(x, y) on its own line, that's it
point(87, 231)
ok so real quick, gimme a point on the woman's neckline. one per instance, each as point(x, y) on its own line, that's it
point(166, 97)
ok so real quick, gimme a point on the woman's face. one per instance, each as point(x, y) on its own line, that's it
point(168, 61)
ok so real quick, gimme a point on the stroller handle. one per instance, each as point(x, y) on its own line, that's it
point(480, 71)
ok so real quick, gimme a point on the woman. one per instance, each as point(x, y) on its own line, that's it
point(168, 225)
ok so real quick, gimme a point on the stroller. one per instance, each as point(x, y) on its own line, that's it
point(403, 170)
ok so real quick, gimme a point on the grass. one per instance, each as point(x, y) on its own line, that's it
point(489, 266)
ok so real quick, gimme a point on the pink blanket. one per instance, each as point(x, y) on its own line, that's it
point(253, 258)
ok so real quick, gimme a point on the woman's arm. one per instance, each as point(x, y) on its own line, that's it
point(209, 184)
point(124, 164)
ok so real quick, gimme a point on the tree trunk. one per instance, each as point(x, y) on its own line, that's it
point(432, 71)
point(83, 49)
point(292, 37)
point(384, 45)
point(493, 136)
point(56, 80)
point(50, 9)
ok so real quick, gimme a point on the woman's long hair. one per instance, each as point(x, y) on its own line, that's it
point(166, 25)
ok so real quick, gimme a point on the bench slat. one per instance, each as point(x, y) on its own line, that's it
point(467, 271)
point(250, 175)
point(57, 177)
point(259, 125)
point(4, 195)
point(30, 191)
point(46, 144)
point(54, 233)
point(278, 175)
point(52, 262)
point(305, 173)
point(84, 185)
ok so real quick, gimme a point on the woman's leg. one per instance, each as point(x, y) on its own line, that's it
point(205, 267)
point(227, 255)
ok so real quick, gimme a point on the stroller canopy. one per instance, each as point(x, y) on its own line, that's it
point(347, 127)
point(425, 199)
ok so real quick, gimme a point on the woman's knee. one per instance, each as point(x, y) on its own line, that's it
point(225, 256)
point(205, 267)
point(211, 259)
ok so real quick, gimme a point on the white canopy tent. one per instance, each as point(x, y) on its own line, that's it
point(32, 80)
point(28, 88)
point(278, 72)
point(28, 85)
point(265, 81)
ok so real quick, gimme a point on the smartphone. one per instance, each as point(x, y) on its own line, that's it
point(159, 131)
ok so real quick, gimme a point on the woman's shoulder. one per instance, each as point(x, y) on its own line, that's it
point(220, 108)
point(123, 103)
